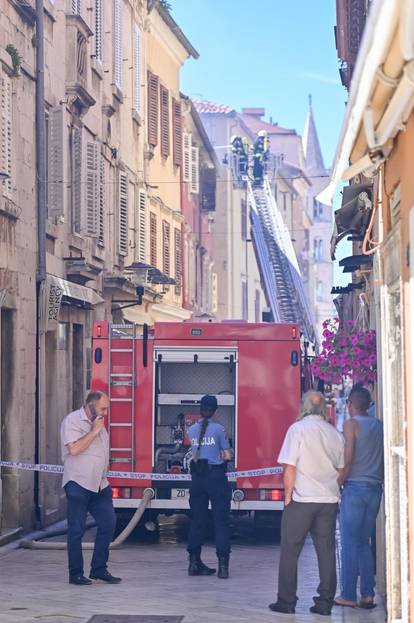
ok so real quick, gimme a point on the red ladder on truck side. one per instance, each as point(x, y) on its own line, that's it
point(121, 393)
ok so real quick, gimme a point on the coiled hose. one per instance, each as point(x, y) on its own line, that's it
point(120, 539)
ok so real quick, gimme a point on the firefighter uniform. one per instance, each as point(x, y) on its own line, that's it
point(209, 484)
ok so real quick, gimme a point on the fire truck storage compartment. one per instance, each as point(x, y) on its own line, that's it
point(182, 377)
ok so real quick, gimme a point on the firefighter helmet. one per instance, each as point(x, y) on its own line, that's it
point(262, 133)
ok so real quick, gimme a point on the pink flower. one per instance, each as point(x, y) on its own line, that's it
point(354, 340)
point(327, 333)
point(314, 369)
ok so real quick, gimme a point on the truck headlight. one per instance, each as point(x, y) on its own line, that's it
point(238, 495)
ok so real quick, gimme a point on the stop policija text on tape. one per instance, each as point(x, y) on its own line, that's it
point(58, 469)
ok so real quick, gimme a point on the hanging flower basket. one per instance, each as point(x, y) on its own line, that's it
point(347, 353)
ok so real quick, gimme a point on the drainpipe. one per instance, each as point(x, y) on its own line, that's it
point(41, 231)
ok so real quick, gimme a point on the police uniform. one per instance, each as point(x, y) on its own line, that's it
point(209, 483)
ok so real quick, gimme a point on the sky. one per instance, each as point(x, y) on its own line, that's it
point(271, 54)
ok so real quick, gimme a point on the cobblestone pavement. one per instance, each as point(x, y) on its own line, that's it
point(34, 587)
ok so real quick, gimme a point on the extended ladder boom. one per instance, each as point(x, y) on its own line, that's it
point(278, 263)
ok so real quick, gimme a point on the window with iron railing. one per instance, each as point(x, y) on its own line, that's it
point(118, 43)
point(178, 260)
point(153, 240)
point(98, 30)
point(123, 214)
point(138, 69)
point(166, 248)
point(6, 133)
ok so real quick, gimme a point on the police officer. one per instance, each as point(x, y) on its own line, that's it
point(211, 451)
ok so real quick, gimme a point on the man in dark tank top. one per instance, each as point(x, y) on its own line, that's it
point(361, 498)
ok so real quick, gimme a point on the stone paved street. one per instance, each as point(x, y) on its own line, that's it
point(34, 588)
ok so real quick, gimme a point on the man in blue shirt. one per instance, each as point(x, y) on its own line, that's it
point(211, 451)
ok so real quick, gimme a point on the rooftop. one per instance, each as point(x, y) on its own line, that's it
point(252, 117)
point(205, 107)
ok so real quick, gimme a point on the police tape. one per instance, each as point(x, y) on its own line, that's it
point(58, 469)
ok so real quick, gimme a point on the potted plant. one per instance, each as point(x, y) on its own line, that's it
point(348, 352)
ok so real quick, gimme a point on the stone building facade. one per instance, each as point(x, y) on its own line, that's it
point(114, 222)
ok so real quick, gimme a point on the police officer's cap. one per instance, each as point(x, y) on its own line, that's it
point(208, 403)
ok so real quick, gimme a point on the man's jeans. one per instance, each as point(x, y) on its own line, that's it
point(81, 501)
point(360, 503)
point(298, 519)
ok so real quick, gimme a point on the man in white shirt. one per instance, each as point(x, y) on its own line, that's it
point(313, 459)
point(85, 453)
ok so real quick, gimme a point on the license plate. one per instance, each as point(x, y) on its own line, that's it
point(180, 494)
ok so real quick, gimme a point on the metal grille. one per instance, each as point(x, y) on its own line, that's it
point(123, 215)
point(167, 416)
point(164, 435)
point(138, 71)
point(134, 618)
point(202, 378)
point(118, 43)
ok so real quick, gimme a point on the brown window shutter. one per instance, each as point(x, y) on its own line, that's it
point(166, 247)
point(177, 133)
point(153, 105)
point(165, 122)
point(153, 239)
point(178, 260)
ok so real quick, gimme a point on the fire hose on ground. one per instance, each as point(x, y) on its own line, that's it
point(148, 495)
point(120, 539)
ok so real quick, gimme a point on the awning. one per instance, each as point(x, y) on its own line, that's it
point(54, 289)
point(353, 217)
point(137, 316)
point(378, 32)
point(161, 312)
point(149, 274)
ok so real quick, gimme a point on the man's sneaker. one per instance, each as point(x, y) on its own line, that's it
point(282, 607)
point(79, 580)
point(105, 576)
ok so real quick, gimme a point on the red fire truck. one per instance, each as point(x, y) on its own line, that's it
point(155, 381)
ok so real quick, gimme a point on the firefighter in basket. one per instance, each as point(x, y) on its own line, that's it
point(239, 155)
point(260, 156)
point(211, 451)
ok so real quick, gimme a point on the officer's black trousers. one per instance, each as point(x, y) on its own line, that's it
point(213, 487)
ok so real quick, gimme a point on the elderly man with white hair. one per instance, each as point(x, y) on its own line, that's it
point(313, 459)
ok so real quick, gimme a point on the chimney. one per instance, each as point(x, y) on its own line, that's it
point(254, 112)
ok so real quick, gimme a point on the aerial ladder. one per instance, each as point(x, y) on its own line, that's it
point(277, 260)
